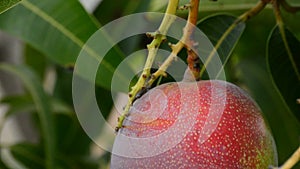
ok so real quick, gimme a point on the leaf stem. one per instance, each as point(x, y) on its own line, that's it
point(185, 39)
point(291, 161)
point(242, 18)
point(158, 38)
point(288, 7)
point(280, 23)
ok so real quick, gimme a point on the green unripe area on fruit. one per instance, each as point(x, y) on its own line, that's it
point(206, 124)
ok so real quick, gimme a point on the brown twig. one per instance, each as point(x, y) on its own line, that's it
point(288, 7)
point(193, 59)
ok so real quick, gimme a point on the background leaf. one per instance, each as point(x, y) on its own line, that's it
point(214, 28)
point(285, 128)
point(24, 103)
point(28, 154)
point(7, 4)
point(17, 104)
point(2, 165)
point(247, 68)
point(210, 6)
point(113, 9)
point(32, 156)
point(59, 29)
point(42, 105)
point(44, 23)
point(40, 65)
point(285, 75)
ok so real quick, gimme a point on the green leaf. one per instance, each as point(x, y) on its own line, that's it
point(207, 6)
point(59, 29)
point(47, 26)
point(24, 103)
point(32, 156)
point(157, 5)
point(73, 144)
point(285, 127)
point(7, 4)
point(104, 100)
point(72, 140)
point(2, 165)
point(62, 89)
point(42, 104)
point(36, 60)
point(28, 154)
point(109, 10)
point(18, 103)
point(228, 5)
point(284, 65)
point(223, 32)
point(61, 107)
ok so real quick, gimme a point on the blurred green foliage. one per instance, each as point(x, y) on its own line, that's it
point(54, 31)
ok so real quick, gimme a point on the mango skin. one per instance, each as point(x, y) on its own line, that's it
point(227, 129)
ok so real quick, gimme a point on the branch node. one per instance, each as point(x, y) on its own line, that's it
point(150, 34)
point(171, 45)
point(153, 76)
point(155, 35)
point(144, 76)
point(184, 7)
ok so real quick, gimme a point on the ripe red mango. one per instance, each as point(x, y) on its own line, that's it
point(194, 125)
